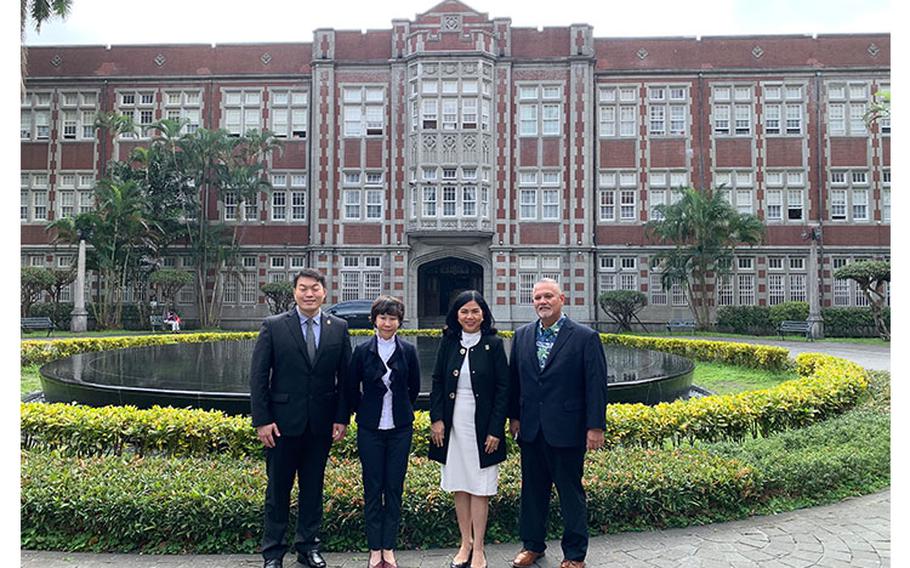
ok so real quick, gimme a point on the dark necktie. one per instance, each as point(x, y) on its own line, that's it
point(310, 340)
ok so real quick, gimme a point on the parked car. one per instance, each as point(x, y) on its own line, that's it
point(355, 312)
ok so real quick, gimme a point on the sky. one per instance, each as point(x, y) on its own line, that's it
point(105, 22)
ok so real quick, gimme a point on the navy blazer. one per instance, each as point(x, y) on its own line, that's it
point(290, 390)
point(569, 396)
point(490, 383)
point(365, 389)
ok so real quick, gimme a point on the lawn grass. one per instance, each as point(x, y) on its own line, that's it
point(727, 379)
point(30, 381)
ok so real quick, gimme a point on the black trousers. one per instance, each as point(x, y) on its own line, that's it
point(302, 456)
point(542, 465)
point(384, 457)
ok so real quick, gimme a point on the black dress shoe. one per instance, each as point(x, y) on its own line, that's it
point(311, 558)
point(272, 563)
point(465, 564)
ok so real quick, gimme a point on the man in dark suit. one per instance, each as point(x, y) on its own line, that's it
point(297, 397)
point(557, 411)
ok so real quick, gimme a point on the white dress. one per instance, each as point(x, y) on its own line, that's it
point(462, 471)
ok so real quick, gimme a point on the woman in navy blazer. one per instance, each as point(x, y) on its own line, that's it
point(383, 383)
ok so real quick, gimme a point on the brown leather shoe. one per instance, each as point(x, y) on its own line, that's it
point(572, 564)
point(526, 558)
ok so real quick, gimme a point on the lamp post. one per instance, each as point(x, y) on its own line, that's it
point(816, 324)
point(79, 321)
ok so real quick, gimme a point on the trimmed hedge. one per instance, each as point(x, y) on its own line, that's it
point(214, 505)
point(827, 386)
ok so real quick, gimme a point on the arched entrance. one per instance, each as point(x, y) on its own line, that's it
point(439, 281)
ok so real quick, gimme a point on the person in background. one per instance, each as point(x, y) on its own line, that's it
point(383, 384)
point(174, 320)
point(468, 410)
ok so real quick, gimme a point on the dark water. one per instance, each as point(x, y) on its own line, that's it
point(221, 369)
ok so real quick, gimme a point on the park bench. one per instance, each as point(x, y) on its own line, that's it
point(157, 322)
point(33, 324)
point(681, 324)
point(795, 326)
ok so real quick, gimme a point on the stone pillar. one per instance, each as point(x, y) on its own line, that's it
point(79, 320)
point(816, 325)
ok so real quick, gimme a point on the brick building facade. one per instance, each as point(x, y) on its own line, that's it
point(456, 151)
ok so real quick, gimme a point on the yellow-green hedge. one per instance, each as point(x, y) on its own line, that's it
point(827, 386)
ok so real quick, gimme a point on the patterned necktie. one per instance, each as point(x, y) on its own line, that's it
point(310, 340)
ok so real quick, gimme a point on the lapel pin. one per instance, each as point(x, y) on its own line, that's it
point(462, 351)
point(486, 347)
point(328, 322)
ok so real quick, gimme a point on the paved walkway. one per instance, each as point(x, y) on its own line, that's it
point(876, 357)
point(855, 533)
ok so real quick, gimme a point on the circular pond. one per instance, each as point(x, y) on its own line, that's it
point(216, 375)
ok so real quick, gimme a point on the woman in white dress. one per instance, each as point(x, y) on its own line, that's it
point(468, 410)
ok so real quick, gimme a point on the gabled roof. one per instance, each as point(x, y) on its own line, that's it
point(451, 7)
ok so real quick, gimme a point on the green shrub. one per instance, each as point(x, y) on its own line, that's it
point(60, 313)
point(852, 322)
point(798, 311)
point(214, 505)
point(745, 319)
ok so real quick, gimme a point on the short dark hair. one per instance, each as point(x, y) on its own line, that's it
point(387, 305)
point(453, 328)
point(310, 273)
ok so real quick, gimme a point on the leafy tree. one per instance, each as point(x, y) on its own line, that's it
point(122, 236)
point(168, 282)
point(872, 276)
point(33, 281)
point(879, 108)
point(182, 175)
point(702, 231)
point(622, 306)
point(63, 277)
point(280, 295)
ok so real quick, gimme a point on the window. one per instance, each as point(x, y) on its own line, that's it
point(74, 193)
point(139, 106)
point(884, 121)
point(785, 195)
point(360, 201)
point(537, 113)
point(783, 109)
point(77, 115)
point(364, 111)
point(737, 287)
point(661, 190)
point(242, 111)
point(737, 189)
point(539, 195)
point(185, 106)
point(287, 199)
point(732, 118)
point(847, 103)
point(288, 113)
point(35, 116)
point(618, 189)
point(667, 110)
point(618, 111)
point(848, 195)
point(886, 195)
point(361, 277)
point(530, 270)
point(33, 197)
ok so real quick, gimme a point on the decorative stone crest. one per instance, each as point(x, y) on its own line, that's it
point(160, 60)
point(56, 60)
point(266, 58)
point(757, 52)
point(642, 53)
point(873, 49)
point(451, 23)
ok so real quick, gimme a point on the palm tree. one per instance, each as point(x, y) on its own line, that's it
point(703, 230)
point(39, 11)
